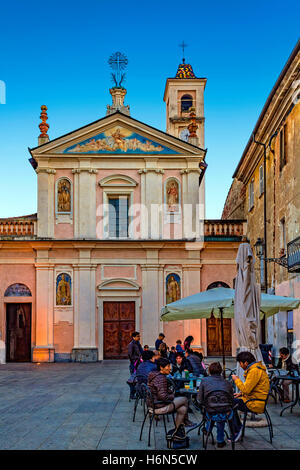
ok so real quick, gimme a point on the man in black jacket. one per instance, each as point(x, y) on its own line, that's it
point(134, 351)
point(285, 362)
point(181, 364)
point(219, 409)
point(195, 362)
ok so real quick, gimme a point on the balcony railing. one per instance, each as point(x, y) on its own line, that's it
point(293, 256)
point(17, 228)
point(225, 228)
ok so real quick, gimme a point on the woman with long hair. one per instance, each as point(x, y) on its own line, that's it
point(187, 342)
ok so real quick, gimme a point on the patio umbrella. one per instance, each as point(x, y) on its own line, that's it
point(220, 302)
point(246, 305)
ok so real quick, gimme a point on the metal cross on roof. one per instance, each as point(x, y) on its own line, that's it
point(183, 45)
point(118, 62)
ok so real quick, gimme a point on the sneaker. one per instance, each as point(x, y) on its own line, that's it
point(221, 444)
point(237, 435)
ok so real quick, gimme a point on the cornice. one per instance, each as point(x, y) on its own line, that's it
point(151, 170)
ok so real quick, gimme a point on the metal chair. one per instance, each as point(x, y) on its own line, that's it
point(217, 398)
point(265, 412)
point(151, 412)
point(275, 388)
point(140, 395)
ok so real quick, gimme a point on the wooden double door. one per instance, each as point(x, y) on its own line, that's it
point(118, 325)
point(214, 336)
point(18, 332)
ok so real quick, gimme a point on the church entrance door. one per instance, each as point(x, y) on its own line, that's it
point(18, 332)
point(118, 325)
point(214, 338)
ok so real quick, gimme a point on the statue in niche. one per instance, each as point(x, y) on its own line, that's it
point(63, 290)
point(172, 195)
point(172, 288)
point(64, 196)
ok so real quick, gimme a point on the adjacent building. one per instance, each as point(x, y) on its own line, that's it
point(265, 192)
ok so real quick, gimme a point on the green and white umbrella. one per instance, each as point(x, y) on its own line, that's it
point(220, 302)
point(201, 305)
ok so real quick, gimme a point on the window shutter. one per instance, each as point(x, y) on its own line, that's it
point(123, 216)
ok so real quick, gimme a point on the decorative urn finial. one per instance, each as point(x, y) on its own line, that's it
point(192, 127)
point(44, 126)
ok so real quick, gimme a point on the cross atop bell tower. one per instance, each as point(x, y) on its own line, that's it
point(184, 98)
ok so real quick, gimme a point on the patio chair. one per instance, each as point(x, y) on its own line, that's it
point(217, 397)
point(275, 388)
point(151, 412)
point(265, 412)
point(140, 395)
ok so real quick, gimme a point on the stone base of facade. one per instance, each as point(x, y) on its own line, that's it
point(84, 355)
point(62, 357)
point(43, 355)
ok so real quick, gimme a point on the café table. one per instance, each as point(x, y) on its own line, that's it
point(295, 382)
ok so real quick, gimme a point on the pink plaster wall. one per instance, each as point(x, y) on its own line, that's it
point(63, 337)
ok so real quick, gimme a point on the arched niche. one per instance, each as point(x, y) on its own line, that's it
point(63, 196)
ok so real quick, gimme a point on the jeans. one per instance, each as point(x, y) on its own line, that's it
point(220, 420)
point(238, 404)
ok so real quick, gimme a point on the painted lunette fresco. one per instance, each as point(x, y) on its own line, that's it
point(119, 140)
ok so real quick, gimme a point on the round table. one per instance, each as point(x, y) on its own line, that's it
point(295, 381)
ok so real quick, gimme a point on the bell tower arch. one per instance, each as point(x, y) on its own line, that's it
point(185, 94)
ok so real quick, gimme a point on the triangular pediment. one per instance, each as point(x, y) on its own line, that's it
point(117, 134)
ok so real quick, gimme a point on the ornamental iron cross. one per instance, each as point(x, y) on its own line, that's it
point(183, 46)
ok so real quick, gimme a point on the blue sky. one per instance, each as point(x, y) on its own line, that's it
point(56, 53)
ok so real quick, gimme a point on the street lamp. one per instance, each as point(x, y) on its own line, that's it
point(259, 248)
point(260, 251)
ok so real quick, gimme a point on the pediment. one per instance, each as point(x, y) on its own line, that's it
point(117, 134)
point(118, 284)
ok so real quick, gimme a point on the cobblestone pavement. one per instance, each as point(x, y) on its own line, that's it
point(86, 406)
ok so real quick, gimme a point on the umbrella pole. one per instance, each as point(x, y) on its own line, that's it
point(222, 337)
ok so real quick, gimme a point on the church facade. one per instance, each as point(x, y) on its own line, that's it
point(120, 231)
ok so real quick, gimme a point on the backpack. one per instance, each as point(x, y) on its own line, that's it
point(176, 442)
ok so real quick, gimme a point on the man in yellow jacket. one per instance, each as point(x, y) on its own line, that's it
point(256, 386)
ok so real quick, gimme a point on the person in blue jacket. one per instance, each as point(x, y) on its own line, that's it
point(147, 366)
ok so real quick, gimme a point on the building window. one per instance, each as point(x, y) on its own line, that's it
point(283, 146)
point(186, 103)
point(118, 220)
point(261, 180)
point(251, 194)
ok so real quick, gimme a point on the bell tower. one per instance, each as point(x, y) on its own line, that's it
point(184, 98)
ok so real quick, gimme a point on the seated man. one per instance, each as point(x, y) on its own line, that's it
point(195, 362)
point(161, 392)
point(216, 411)
point(285, 362)
point(181, 364)
point(148, 365)
point(256, 385)
point(172, 355)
